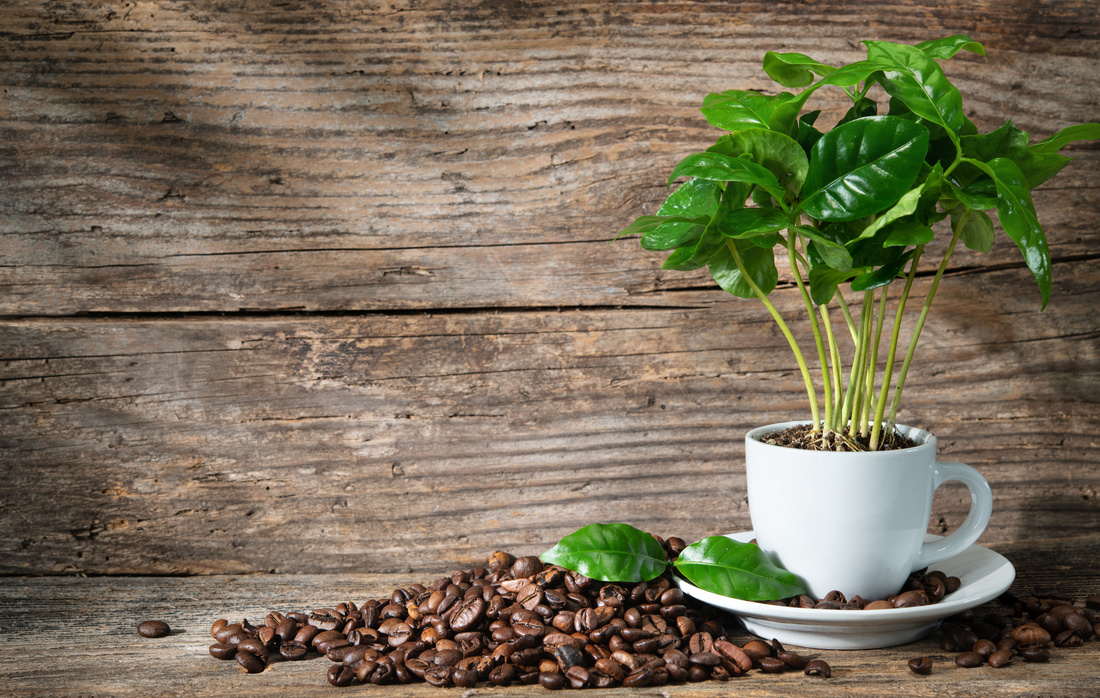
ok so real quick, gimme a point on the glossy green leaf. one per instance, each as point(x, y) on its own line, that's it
point(734, 110)
point(737, 570)
point(863, 167)
point(758, 261)
point(686, 212)
point(948, 46)
point(717, 167)
point(747, 222)
point(1012, 143)
point(824, 280)
point(977, 232)
point(694, 254)
point(905, 206)
point(1080, 132)
point(615, 552)
point(779, 154)
point(917, 80)
point(862, 108)
point(908, 234)
point(980, 195)
point(670, 231)
point(831, 252)
point(882, 276)
point(1016, 211)
point(793, 69)
point(808, 136)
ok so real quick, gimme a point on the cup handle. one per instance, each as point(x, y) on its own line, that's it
point(981, 507)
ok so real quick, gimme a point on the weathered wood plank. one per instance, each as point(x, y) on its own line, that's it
point(301, 444)
point(90, 623)
point(178, 158)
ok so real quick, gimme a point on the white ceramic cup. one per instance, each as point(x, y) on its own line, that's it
point(855, 522)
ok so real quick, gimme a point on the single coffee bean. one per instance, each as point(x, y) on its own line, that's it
point(153, 628)
point(733, 654)
point(793, 660)
point(912, 598)
point(254, 646)
point(1033, 653)
point(1000, 658)
point(1029, 633)
point(879, 605)
point(771, 665)
point(218, 625)
point(921, 665)
point(552, 680)
point(969, 660)
point(757, 650)
point(504, 674)
point(818, 667)
point(250, 663)
point(340, 675)
point(984, 647)
point(220, 651)
point(642, 676)
point(293, 650)
point(1078, 624)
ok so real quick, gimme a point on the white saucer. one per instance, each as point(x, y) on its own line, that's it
point(985, 575)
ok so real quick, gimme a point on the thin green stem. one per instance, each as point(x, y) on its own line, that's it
point(852, 404)
point(864, 417)
point(834, 358)
point(888, 371)
point(815, 327)
point(847, 315)
point(798, 357)
point(923, 315)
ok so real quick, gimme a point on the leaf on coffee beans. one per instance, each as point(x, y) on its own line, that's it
point(614, 552)
point(737, 570)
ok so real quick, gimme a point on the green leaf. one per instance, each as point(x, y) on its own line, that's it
point(759, 262)
point(685, 215)
point(748, 222)
point(734, 110)
point(780, 154)
point(830, 251)
point(917, 80)
point(1010, 142)
point(695, 197)
point(883, 275)
point(694, 254)
point(1080, 132)
point(737, 570)
point(980, 195)
point(977, 231)
point(908, 233)
point(717, 167)
point(808, 136)
point(905, 206)
point(1016, 212)
point(793, 69)
point(673, 232)
point(863, 167)
point(949, 46)
point(615, 552)
point(824, 280)
point(863, 107)
point(646, 225)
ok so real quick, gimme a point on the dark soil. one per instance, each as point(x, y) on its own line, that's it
point(800, 437)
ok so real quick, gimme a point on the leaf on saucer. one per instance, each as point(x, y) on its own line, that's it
point(739, 570)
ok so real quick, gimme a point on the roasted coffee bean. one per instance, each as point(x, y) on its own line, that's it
point(1000, 658)
point(1031, 633)
point(254, 646)
point(437, 675)
point(818, 667)
point(771, 665)
point(217, 625)
point(578, 676)
point(153, 628)
point(984, 647)
point(286, 629)
point(526, 567)
point(733, 654)
point(921, 665)
point(504, 674)
point(250, 663)
point(912, 598)
point(553, 681)
point(340, 675)
point(707, 659)
point(756, 650)
point(1033, 653)
point(1068, 638)
point(879, 605)
point(223, 633)
point(468, 614)
point(293, 650)
point(220, 651)
point(642, 676)
point(793, 660)
point(969, 660)
point(1078, 624)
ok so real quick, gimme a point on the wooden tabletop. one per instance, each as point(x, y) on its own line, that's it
point(76, 635)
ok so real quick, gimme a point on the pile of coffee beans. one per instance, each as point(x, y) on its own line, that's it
point(1038, 622)
point(922, 588)
point(515, 621)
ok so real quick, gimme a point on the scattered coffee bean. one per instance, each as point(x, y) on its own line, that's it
point(153, 628)
point(1000, 658)
point(818, 668)
point(921, 665)
point(969, 660)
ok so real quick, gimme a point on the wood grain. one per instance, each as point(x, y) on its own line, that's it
point(325, 287)
point(91, 623)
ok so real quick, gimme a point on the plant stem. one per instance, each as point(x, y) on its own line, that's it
point(847, 315)
point(923, 315)
point(834, 357)
point(888, 371)
point(798, 357)
point(854, 394)
point(864, 417)
point(815, 327)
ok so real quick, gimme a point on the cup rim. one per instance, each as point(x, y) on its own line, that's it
point(923, 437)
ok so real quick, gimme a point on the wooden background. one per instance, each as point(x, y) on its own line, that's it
point(326, 286)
